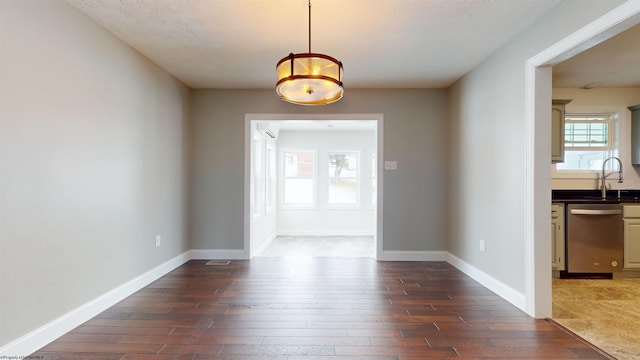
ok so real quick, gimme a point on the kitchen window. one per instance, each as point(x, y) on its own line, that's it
point(589, 140)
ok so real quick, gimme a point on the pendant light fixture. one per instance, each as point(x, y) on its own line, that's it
point(308, 78)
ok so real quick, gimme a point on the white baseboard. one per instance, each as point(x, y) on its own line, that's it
point(412, 256)
point(506, 292)
point(216, 254)
point(40, 337)
point(325, 233)
point(36, 339)
point(264, 245)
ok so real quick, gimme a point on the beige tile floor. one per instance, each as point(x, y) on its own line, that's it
point(321, 246)
point(604, 312)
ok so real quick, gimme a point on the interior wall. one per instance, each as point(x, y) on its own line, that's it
point(324, 219)
point(415, 135)
point(487, 147)
point(93, 163)
point(264, 224)
point(612, 100)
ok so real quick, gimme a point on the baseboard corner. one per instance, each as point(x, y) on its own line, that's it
point(36, 339)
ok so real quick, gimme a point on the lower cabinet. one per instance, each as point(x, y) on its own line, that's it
point(631, 220)
point(557, 237)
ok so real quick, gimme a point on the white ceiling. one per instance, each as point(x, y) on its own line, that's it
point(382, 43)
point(612, 63)
point(236, 44)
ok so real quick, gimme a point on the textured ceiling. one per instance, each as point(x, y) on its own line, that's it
point(613, 63)
point(382, 43)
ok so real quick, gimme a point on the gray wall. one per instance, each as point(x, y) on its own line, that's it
point(487, 146)
point(415, 135)
point(93, 162)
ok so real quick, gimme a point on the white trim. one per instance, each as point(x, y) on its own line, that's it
point(537, 194)
point(265, 245)
point(52, 330)
point(248, 211)
point(325, 233)
point(506, 292)
point(218, 254)
point(390, 255)
point(607, 26)
point(537, 201)
point(379, 149)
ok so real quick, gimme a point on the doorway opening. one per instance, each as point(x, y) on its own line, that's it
point(538, 86)
point(313, 185)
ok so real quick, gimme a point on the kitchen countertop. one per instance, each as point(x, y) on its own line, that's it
point(595, 196)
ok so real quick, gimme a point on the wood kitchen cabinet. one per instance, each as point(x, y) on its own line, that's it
point(635, 134)
point(557, 130)
point(631, 220)
point(557, 237)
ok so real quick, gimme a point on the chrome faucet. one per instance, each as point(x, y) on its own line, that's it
point(604, 176)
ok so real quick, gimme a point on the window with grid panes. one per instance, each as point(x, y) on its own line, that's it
point(588, 141)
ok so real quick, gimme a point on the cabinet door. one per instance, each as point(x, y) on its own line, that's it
point(557, 133)
point(557, 237)
point(557, 246)
point(635, 134)
point(632, 243)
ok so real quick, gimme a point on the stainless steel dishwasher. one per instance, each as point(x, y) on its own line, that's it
point(595, 240)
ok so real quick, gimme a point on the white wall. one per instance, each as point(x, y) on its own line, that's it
point(487, 147)
point(415, 135)
point(263, 218)
point(324, 219)
point(93, 164)
point(612, 100)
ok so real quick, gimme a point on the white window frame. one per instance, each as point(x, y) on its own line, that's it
point(314, 179)
point(271, 169)
point(257, 172)
point(373, 187)
point(610, 133)
point(358, 178)
point(612, 148)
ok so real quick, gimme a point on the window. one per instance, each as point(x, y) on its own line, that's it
point(374, 179)
point(343, 178)
point(271, 177)
point(258, 176)
point(298, 186)
point(588, 141)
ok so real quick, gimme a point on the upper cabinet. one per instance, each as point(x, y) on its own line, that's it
point(557, 130)
point(635, 134)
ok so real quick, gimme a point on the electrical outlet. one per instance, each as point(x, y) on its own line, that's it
point(158, 240)
point(483, 245)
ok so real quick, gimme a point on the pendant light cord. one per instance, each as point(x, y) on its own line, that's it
point(309, 26)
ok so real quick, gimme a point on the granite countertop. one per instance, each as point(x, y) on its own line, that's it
point(595, 196)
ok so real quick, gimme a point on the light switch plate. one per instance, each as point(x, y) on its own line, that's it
point(391, 165)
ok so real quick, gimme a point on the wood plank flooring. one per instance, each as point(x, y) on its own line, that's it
point(312, 309)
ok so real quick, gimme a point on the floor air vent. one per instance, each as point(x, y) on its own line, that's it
point(218, 262)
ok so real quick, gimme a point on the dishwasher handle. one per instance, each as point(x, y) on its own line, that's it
point(595, 212)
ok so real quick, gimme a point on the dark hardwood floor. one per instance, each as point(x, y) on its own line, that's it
point(316, 308)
